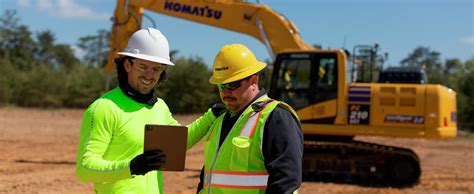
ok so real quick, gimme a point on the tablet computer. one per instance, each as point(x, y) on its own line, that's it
point(171, 140)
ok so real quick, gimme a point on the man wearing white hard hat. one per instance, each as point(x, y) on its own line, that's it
point(110, 153)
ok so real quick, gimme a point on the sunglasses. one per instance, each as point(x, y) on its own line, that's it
point(232, 85)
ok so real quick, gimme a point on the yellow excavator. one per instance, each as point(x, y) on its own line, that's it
point(332, 109)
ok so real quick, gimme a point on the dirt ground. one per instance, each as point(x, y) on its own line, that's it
point(38, 152)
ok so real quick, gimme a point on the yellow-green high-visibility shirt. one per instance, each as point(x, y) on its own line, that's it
point(111, 136)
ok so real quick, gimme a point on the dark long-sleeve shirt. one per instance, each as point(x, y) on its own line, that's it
point(282, 149)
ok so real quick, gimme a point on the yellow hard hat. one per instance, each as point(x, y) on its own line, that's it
point(234, 62)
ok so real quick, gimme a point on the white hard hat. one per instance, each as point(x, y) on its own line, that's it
point(148, 44)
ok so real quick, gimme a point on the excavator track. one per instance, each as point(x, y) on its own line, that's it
point(360, 163)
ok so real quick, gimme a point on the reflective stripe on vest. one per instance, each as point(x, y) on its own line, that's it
point(249, 127)
point(240, 180)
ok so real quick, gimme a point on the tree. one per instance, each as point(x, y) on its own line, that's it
point(8, 22)
point(469, 65)
point(16, 44)
point(45, 48)
point(56, 56)
point(187, 89)
point(64, 56)
point(453, 71)
point(466, 96)
point(423, 57)
point(96, 48)
point(83, 85)
point(7, 80)
point(34, 73)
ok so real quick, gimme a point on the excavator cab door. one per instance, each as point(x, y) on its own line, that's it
point(305, 78)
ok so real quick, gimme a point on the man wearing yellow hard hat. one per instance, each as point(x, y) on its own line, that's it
point(256, 145)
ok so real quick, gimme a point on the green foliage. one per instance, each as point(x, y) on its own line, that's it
point(17, 46)
point(423, 57)
point(83, 85)
point(466, 97)
point(454, 71)
point(187, 89)
point(45, 47)
point(96, 48)
point(39, 87)
point(6, 81)
point(41, 73)
point(64, 57)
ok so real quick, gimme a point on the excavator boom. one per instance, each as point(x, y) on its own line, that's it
point(256, 20)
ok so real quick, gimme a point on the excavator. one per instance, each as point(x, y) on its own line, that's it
point(332, 109)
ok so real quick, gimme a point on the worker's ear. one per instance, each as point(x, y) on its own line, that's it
point(254, 80)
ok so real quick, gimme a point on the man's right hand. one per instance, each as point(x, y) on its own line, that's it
point(146, 162)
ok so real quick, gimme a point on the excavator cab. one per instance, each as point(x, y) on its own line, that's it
point(304, 78)
point(312, 82)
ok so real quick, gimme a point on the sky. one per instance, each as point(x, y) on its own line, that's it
point(398, 26)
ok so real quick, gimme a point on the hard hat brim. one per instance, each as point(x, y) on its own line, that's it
point(238, 76)
point(148, 58)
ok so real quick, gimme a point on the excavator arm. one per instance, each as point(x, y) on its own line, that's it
point(256, 20)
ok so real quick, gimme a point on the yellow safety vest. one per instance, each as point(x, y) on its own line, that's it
point(237, 166)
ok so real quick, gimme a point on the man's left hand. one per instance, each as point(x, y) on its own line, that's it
point(218, 109)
